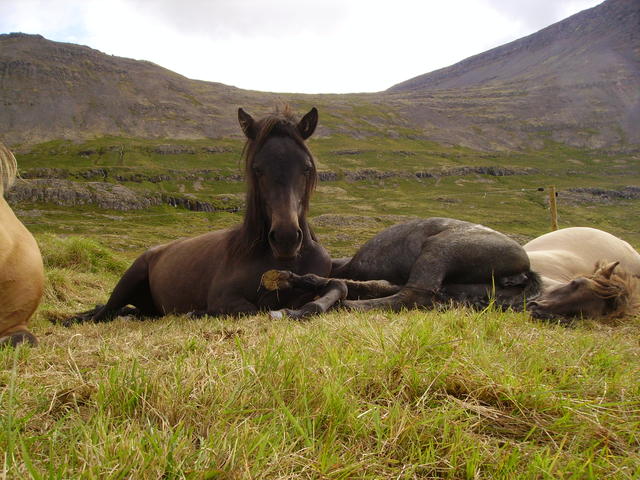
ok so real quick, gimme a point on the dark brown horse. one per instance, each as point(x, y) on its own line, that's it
point(421, 263)
point(219, 272)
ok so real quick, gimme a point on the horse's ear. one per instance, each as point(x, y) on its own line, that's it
point(248, 124)
point(308, 124)
point(607, 270)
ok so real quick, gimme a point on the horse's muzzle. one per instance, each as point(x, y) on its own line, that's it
point(285, 243)
point(542, 311)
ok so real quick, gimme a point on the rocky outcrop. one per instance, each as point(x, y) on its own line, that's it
point(111, 196)
point(119, 175)
point(492, 170)
point(464, 171)
point(67, 193)
point(217, 176)
point(602, 196)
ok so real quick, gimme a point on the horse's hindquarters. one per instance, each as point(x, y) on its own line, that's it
point(21, 274)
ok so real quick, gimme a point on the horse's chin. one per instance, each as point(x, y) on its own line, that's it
point(542, 315)
point(546, 314)
point(285, 258)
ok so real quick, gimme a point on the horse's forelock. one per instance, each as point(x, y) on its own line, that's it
point(282, 122)
point(622, 288)
point(8, 169)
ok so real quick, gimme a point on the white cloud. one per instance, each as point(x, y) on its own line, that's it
point(290, 45)
point(536, 14)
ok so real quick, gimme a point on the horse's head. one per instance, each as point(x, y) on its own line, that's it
point(605, 293)
point(281, 174)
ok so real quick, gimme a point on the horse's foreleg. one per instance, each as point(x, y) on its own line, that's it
point(284, 280)
point(333, 292)
point(421, 291)
point(405, 298)
point(356, 290)
point(369, 289)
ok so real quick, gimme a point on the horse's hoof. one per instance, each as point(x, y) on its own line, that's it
point(289, 314)
point(68, 322)
point(83, 317)
point(17, 338)
point(76, 319)
point(275, 280)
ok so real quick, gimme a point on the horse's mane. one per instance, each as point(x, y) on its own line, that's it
point(252, 233)
point(621, 288)
point(8, 169)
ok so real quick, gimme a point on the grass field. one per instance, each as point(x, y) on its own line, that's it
point(417, 394)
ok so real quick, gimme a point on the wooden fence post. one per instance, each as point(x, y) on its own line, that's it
point(553, 207)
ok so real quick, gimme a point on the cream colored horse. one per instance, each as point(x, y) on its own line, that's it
point(585, 272)
point(21, 270)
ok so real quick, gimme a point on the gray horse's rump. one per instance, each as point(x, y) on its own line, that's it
point(436, 251)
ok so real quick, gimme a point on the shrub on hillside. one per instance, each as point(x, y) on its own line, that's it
point(80, 254)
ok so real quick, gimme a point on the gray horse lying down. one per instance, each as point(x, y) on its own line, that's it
point(420, 263)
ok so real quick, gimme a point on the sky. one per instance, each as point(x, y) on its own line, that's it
point(293, 46)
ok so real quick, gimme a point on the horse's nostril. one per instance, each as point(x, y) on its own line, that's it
point(299, 236)
point(272, 236)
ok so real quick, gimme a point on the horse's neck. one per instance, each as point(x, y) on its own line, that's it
point(307, 233)
point(12, 229)
point(7, 216)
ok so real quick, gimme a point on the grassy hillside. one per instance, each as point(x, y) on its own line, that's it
point(371, 182)
point(451, 394)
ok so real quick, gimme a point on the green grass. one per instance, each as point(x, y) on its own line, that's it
point(420, 394)
point(456, 394)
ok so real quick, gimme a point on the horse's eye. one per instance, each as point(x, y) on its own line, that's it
point(257, 171)
point(575, 283)
point(307, 169)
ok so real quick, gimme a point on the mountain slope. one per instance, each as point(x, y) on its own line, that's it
point(576, 82)
point(58, 90)
point(589, 46)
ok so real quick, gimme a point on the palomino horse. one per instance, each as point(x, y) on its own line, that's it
point(585, 273)
point(219, 272)
point(21, 270)
point(421, 263)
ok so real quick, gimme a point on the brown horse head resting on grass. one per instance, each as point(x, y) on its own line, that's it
point(422, 263)
point(219, 272)
point(573, 288)
point(609, 292)
point(21, 271)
